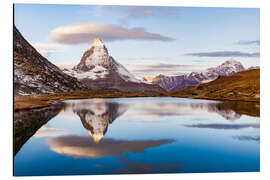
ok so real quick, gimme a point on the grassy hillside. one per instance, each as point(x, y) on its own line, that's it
point(242, 86)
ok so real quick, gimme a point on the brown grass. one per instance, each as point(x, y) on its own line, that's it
point(43, 100)
point(29, 102)
point(242, 86)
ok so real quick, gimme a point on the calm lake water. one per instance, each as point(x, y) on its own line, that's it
point(137, 135)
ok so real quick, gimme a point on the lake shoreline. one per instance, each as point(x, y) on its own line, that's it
point(28, 102)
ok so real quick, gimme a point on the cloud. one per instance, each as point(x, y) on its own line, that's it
point(82, 147)
point(247, 138)
point(150, 109)
point(155, 69)
point(224, 54)
point(139, 12)
point(83, 32)
point(248, 42)
point(46, 49)
point(224, 126)
point(46, 131)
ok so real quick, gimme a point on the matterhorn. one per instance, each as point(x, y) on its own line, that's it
point(98, 70)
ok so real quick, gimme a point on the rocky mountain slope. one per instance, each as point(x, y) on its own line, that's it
point(34, 74)
point(174, 83)
point(244, 86)
point(98, 70)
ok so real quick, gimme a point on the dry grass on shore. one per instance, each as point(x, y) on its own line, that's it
point(43, 100)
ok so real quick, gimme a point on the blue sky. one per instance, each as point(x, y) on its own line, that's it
point(137, 36)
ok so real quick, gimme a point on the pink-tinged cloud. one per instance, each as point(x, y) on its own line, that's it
point(84, 33)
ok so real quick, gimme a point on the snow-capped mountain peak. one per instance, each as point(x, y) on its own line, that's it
point(175, 83)
point(98, 70)
point(231, 61)
point(97, 63)
point(97, 42)
point(227, 68)
point(96, 55)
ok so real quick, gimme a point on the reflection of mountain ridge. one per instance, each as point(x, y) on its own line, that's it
point(230, 110)
point(216, 107)
point(97, 114)
point(27, 122)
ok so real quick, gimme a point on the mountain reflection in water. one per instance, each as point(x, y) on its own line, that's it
point(229, 110)
point(28, 122)
point(137, 135)
point(96, 115)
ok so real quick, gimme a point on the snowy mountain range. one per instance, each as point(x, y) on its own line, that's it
point(34, 74)
point(98, 70)
point(174, 83)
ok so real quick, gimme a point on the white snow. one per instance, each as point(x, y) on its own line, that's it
point(97, 72)
point(98, 42)
point(101, 59)
point(125, 74)
point(99, 56)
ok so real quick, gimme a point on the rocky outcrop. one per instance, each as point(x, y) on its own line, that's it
point(34, 74)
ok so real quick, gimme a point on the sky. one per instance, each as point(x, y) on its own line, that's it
point(147, 40)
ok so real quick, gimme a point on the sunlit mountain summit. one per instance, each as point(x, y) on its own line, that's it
point(97, 69)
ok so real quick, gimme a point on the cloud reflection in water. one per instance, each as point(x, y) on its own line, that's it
point(82, 147)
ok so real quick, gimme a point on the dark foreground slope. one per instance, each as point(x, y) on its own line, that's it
point(242, 86)
point(26, 123)
point(34, 74)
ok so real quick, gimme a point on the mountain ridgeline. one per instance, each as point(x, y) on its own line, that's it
point(34, 74)
point(174, 83)
point(241, 86)
point(98, 70)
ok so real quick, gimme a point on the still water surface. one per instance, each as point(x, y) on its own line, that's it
point(138, 135)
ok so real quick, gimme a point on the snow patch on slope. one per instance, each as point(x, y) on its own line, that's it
point(125, 74)
point(97, 72)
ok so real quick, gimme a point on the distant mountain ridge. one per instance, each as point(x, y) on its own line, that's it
point(174, 83)
point(243, 86)
point(34, 74)
point(98, 70)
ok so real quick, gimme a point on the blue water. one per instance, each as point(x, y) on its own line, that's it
point(142, 135)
